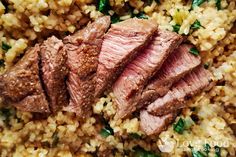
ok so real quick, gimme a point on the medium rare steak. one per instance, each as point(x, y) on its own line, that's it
point(181, 91)
point(128, 87)
point(179, 63)
point(54, 71)
point(82, 50)
point(121, 44)
point(21, 85)
point(151, 124)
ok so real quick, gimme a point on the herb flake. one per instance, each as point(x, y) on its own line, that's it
point(5, 46)
point(115, 18)
point(176, 28)
point(104, 6)
point(140, 152)
point(196, 25)
point(207, 148)
point(218, 4)
point(55, 139)
point(179, 126)
point(194, 51)
point(217, 151)
point(141, 16)
point(196, 3)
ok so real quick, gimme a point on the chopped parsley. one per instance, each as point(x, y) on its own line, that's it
point(140, 152)
point(104, 6)
point(107, 130)
point(55, 139)
point(179, 126)
point(206, 65)
point(5, 46)
point(135, 136)
point(176, 28)
point(194, 51)
point(218, 4)
point(196, 3)
point(2, 63)
point(196, 25)
point(141, 16)
point(115, 18)
point(6, 113)
point(207, 148)
point(197, 153)
point(217, 151)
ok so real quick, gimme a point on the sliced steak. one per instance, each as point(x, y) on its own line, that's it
point(179, 63)
point(54, 71)
point(21, 85)
point(128, 87)
point(121, 44)
point(181, 91)
point(82, 50)
point(155, 124)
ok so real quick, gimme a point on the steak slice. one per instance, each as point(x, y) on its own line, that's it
point(54, 71)
point(129, 86)
point(21, 85)
point(151, 124)
point(121, 44)
point(178, 64)
point(82, 50)
point(181, 91)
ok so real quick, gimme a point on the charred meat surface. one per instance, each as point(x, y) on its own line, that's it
point(128, 87)
point(177, 65)
point(151, 124)
point(82, 50)
point(181, 91)
point(121, 44)
point(54, 71)
point(21, 85)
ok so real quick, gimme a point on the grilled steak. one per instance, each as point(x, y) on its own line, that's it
point(82, 50)
point(179, 63)
point(151, 124)
point(121, 44)
point(184, 89)
point(54, 72)
point(128, 87)
point(21, 85)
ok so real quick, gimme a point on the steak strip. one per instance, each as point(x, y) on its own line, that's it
point(128, 87)
point(83, 49)
point(181, 91)
point(121, 44)
point(20, 85)
point(54, 72)
point(177, 65)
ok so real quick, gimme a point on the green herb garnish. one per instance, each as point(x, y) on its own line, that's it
point(176, 28)
point(197, 153)
point(6, 113)
point(141, 16)
point(135, 136)
point(217, 151)
point(179, 126)
point(194, 51)
point(115, 18)
point(196, 25)
point(140, 152)
point(2, 63)
point(196, 3)
point(105, 132)
point(5, 46)
point(206, 65)
point(104, 6)
point(218, 4)
point(207, 148)
point(55, 139)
